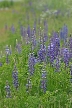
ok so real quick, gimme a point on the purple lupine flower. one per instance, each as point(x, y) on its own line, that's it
point(45, 36)
point(31, 63)
point(64, 32)
point(22, 30)
point(32, 58)
point(15, 78)
point(57, 12)
point(57, 42)
point(29, 31)
point(55, 35)
point(28, 85)
point(13, 29)
point(36, 60)
point(43, 82)
point(44, 74)
point(42, 53)
point(43, 85)
point(0, 64)
point(65, 29)
point(56, 46)
point(50, 53)
point(57, 64)
point(7, 50)
point(27, 39)
point(40, 35)
point(8, 91)
point(7, 58)
point(34, 41)
point(30, 3)
point(35, 26)
point(66, 56)
point(18, 47)
point(53, 48)
point(61, 35)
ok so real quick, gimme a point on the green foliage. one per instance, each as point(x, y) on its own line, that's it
point(58, 85)
point(59, 88)
point(6, 3)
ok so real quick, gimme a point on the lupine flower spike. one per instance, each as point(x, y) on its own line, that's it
point(43, 80)
point(28, 85)
point(15, 77)
point(31, 63)
point(7, 88)
point(7, 51)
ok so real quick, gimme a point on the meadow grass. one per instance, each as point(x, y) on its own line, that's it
point(59, 88)
point(7, 17)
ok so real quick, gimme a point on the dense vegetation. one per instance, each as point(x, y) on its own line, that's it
point(6, 4)
point(36, 56)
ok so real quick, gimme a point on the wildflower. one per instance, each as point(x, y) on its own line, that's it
point(8, 92)
point(43, 82)
point(31, 63)
point(0, 64)
point(28, 85)
point(15, 78)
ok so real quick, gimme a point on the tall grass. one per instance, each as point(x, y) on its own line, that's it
point(6, 3)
